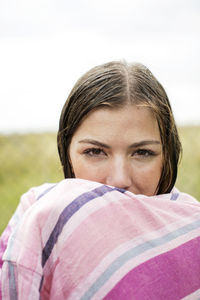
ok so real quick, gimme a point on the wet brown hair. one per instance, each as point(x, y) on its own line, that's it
point(116, 84)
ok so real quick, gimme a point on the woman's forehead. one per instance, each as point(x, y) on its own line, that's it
point(130, 120)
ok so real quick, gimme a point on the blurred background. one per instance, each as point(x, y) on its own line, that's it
point(46, 45)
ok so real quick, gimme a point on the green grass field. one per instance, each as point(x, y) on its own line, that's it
point(30, 160)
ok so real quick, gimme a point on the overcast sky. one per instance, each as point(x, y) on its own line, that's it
point(46, 45)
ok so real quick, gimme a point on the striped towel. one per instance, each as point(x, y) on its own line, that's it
point(85, 240)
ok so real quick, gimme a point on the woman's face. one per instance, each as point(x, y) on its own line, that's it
point(119, 147)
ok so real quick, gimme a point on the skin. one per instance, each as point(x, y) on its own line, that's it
point(119, 147)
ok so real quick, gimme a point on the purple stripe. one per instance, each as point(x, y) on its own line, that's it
point(68, 212)
point(172, 275)
point(174, 196)
point(12, 282)
point(46, 191)
point(41, 283)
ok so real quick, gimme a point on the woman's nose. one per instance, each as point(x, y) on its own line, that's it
point(119, 175)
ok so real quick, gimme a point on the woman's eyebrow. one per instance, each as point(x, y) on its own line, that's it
point(94, 142)
point(134, 145)
point(145, 143)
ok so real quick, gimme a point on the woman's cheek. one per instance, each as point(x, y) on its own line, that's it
point(87, 169)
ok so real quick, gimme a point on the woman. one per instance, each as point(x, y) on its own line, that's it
point(117, 85)
point(112, 232)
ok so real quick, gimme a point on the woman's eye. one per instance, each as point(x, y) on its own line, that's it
point(94, 152)
point(143, 153)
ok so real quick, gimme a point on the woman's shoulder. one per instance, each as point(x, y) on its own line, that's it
point(35, 193)
point(182, 196)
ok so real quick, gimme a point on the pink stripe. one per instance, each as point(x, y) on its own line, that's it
point(172, 275)
point(4, 241)
point(95, 238)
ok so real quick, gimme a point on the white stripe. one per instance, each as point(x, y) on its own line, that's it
point(193, 296)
